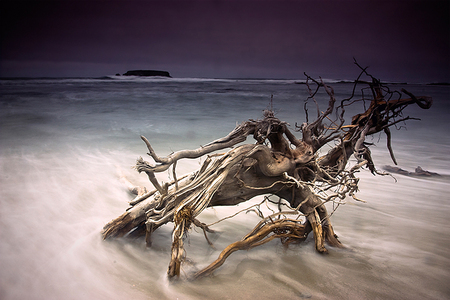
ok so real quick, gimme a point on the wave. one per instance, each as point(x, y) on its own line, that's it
point(191, 80)
point(197, 79)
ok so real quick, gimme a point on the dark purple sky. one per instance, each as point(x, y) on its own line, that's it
point(400, 40)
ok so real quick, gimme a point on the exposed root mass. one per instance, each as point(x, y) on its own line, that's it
point(277, 163)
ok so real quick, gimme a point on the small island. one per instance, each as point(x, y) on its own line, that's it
point(147, 73)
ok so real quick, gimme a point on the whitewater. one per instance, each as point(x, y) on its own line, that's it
point(63, 142)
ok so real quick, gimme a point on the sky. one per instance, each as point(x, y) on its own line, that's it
point(402, 40)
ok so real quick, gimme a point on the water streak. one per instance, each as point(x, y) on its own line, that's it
point(63, 140)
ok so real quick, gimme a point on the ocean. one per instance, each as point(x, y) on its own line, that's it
point(63, 142)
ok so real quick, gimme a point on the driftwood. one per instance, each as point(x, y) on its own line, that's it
point(418, 172)
point(278, 163)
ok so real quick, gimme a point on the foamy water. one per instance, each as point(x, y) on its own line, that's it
point(63, 142)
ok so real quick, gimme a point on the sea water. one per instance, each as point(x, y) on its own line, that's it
point(63, 142)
